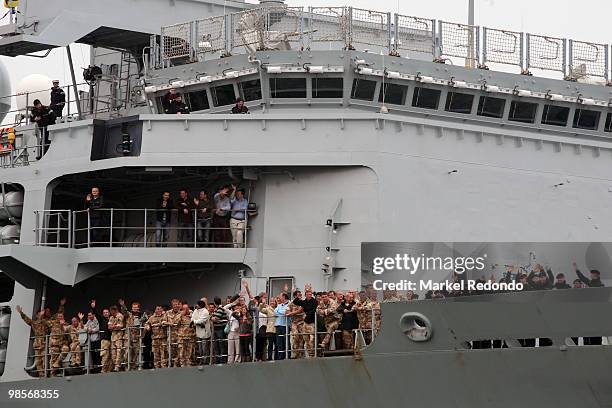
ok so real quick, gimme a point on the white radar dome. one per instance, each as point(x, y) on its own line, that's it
point(5, 90)
point(36, 86)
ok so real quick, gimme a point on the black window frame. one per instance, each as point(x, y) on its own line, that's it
point(579, 116)
point(288, 92)
point(384, 89)
point(547, 111)
point(369, 83)
point(189, 100)
point(332, 90)
point(608, 124)
point(450, 97)
point(481, 110)
point(243, 94)
point(417, 97)
point(516, 104)
point(215, 98)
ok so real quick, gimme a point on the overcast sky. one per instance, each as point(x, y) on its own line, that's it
point(582, 20)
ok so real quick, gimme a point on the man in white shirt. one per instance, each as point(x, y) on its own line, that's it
point(201, 320)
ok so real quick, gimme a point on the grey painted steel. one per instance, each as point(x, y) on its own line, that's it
point(441, 371)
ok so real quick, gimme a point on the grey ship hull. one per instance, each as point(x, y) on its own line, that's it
point(394, 370)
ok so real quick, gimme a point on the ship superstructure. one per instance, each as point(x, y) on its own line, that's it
point(360, 129)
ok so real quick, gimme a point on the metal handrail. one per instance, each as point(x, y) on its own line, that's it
point(347, 27)
point(82, 230)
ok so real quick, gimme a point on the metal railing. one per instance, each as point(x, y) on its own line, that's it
point(79, 352)
point(93, 102)
point(146, 228)
point(276, 27)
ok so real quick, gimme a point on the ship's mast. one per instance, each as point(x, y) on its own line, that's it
point(470, 62)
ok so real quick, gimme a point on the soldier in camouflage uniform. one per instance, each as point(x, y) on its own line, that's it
point(365, 315)
point(58, 342)
point(40, 327)
point(116, 326)
point(73, 332)
point(327, 309)
point(173, 316)
point(134, 321)
point(157, 324)
point(390, 296)
point(297, 326)
point(186, 336)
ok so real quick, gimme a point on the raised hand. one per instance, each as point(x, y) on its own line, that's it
point(81, 315)
point(121, 302)
point(93, 303)
point(62, 301)
point(19, 309)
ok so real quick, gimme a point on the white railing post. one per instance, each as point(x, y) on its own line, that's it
point(88, 354)
point(110, 238)
point(88, 229)
point(144, 239)
point(69, 232)
point(286, 356)
point(195, 228)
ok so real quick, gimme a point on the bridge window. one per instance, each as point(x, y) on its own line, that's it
point(586, 119)
point(555, 115)
point(198, 101)
point(288, 87)
point(459, 102)
point(363, 89)
point(426, 98)
point(250, 90)
point(327, 87)
point(394, 94)
point(223, 95)
point(491, 107)
point(608, 127)
point(524, 112)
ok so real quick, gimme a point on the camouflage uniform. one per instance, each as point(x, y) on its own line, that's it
point(116, 325)
point(364, 315)
point(134, 323)
point(75, 345)
point(331, 318)
point(157, 326)
point(297, 330)
point(186, 338)
point(40, 327)
point(173, 319)
point(58, 344)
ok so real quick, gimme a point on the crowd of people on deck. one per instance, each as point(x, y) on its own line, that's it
point(237, 329)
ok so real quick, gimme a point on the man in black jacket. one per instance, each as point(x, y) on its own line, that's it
point(177, 107)
point(594, 282)
point(58, 99)
point(43, 117)
point(94, 204)
point(561, 283)
point(309, 305)
point(163, 217)
point(105, 351)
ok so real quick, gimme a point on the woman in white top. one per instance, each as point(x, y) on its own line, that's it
point(233, 337)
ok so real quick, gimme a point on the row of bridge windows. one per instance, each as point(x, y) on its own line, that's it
point(396, 94)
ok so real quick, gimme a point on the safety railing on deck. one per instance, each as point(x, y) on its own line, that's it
point(101, 98)
point(82, 350)
point(279, 28)
point(133, 228)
